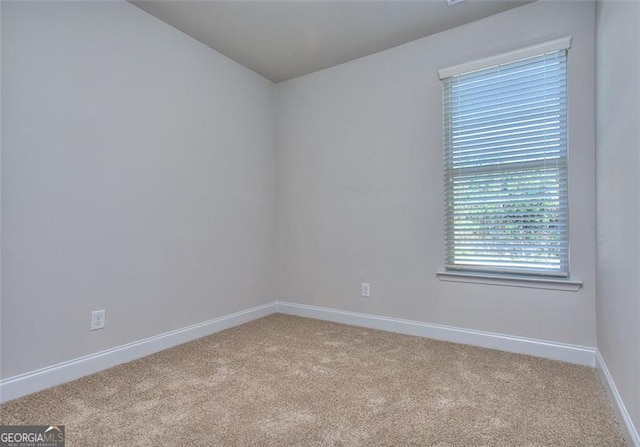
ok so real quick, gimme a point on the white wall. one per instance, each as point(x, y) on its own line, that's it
point(618, 199)
point(1, 8)
point(138, 176)
point(360, 183)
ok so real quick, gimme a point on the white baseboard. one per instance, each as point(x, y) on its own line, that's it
point(580, 355)
point(631, 434)
point(23, 384)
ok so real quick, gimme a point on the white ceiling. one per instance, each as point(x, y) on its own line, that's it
point(284, 39)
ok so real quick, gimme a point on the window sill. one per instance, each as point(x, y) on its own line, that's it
point(512, 281)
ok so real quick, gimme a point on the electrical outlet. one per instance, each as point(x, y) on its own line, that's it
point(98, 318)
point(365, 290)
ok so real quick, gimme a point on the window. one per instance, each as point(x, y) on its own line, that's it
point(505, 144)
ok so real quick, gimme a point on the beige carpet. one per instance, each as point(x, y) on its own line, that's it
point(289, 381)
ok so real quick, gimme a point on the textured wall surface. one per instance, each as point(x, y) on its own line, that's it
point(360, 183)
point(618, 198)
point(138, 177)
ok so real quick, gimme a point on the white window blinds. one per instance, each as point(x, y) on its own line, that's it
point(505, 138)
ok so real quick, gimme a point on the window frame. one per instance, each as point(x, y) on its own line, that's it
point(511, 276)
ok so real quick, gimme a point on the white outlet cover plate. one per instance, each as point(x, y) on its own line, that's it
point(98, 318)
